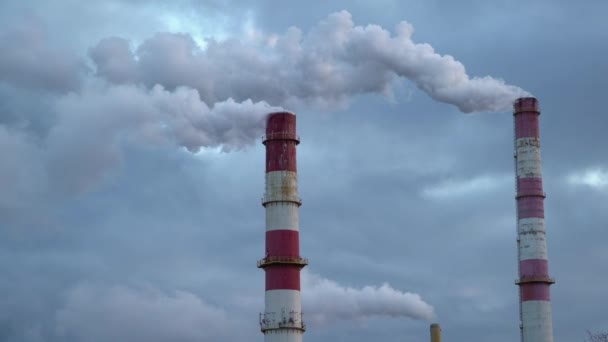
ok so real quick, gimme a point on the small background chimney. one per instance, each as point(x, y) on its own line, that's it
point(435, 333)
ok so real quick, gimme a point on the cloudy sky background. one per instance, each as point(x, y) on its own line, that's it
point(130, 211)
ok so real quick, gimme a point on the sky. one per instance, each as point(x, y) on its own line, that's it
point(131, 165)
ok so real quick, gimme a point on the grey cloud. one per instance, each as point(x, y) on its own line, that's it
point(121, 313)
point(452, 188)
point(322, 69)
point(29, 59)
point(193, 222)
point(21, 173)
point(594, 178)
point(114, 60)
point(20, 113)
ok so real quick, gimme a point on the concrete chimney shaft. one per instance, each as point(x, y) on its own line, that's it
point(282, 320)
point(534, 280)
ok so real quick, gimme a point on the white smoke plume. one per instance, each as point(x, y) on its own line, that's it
point(171, 89)
point(179, 114)
point(93, 125)
point(325, 301)
point(323, 68)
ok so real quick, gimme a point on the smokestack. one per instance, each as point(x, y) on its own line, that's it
point(282, 319)
point(534, 280)
point(435, 333)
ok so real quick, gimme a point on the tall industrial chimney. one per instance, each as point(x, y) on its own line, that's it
point(435, 333)
point(534, 280)
point(282, 319)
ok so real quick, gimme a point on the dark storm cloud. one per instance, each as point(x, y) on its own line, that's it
point(408, 192)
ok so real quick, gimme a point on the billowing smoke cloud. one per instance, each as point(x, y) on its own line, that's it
point(326, 301)
point(171, 89)
point(92, 128)
point(94, 124)
point(179, 114)
point(323, 68)
point(122, 313)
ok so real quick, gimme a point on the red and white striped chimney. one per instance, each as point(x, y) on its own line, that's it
point(282, 319)
point(534, 280)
